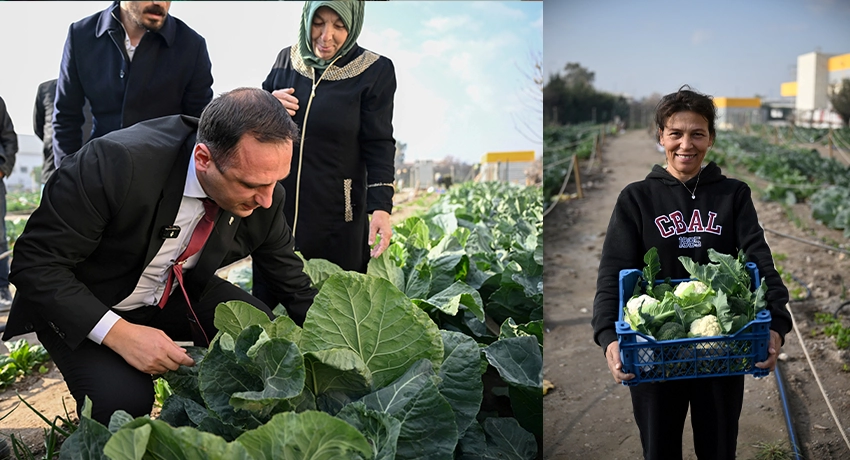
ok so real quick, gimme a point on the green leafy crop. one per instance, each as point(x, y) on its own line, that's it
point(22, 360)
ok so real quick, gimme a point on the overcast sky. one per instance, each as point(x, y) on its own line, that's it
point(462, 67)
point(728, 48)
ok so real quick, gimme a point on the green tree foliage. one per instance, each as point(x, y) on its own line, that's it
point(840, 99)
point(569, 98)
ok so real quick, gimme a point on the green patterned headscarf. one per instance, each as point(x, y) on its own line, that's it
point(351, 13)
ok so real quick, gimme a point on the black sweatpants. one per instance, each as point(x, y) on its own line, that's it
point(660, 410)
point(108, 380)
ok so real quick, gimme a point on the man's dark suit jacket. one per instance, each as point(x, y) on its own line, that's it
point(98, 227)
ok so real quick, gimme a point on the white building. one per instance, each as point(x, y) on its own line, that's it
point(817, 75)
point(505, 166)
point(26, 174)
point(738, 112)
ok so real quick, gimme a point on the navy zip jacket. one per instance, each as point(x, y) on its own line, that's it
point(170, 74)
point(659, 212)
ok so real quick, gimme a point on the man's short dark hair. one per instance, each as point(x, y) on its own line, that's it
point(243, 111)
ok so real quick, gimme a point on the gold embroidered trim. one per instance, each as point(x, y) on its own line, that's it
point(333, 73)
point(349, 213)
point(386, 184)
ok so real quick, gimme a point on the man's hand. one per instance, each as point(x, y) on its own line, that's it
point(612, 354)
point(772, 352)
point(147, 349)
point(285, 96)
point(380, 224)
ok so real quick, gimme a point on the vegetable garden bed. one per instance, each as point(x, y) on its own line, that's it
point(435, 353)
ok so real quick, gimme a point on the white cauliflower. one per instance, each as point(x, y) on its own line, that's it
point(689, 288)
point(635, 303)
point(707, 326)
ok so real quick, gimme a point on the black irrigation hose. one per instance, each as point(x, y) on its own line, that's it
point(786, 409)
point(813, 243)
point(782, 393)
point(801, 283)
point(840, 307)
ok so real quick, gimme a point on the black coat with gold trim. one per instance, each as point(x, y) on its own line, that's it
point(347, 163)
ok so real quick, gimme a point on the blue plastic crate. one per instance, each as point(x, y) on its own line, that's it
point(657, 361)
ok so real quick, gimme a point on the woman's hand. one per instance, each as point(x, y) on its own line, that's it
point(612, 354)
point(286, 98)
point(772, 352)
point(380, 225)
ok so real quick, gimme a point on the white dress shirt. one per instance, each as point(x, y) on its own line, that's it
point(152, 283)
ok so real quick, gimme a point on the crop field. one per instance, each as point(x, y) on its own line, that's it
point(435, 353)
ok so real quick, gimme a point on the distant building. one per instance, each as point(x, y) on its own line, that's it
point(422, 174)
point(505, 166)
point(817, 73)
point(28, 163)
point(778, 112)
point(738, 112)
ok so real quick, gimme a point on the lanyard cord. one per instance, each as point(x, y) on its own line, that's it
point(301, 144)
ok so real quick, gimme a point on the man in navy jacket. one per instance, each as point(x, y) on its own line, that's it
point(133, 62)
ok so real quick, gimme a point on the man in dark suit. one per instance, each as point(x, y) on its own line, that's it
point(92, 267)
point(132, 61)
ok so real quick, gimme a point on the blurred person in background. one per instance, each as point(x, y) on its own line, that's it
point(341, 97)
point(723, 218)
point(8, 150)
point(42, 124)
point(132, 62)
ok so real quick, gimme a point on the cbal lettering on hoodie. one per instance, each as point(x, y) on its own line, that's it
point(674, 224)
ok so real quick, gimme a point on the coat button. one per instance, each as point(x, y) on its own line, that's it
point(28, 327)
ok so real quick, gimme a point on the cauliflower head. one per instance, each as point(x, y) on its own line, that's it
point(635, 303)
point(707, 326)
point(689, 288)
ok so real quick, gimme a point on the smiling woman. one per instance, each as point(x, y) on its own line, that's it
point(686, 132)
point(340, 194)
point(654, 213)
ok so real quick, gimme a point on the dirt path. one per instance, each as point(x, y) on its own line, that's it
point(588, 416)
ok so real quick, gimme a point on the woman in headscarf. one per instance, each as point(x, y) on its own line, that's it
point(341, 96)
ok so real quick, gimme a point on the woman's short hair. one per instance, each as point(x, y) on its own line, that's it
point(686, 100)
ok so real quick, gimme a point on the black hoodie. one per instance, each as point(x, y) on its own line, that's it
point(659, 212)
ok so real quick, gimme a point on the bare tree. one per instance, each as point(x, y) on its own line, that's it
point(531, 100)
point(840, 98)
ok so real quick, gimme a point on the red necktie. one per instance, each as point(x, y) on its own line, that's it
point(199, 237)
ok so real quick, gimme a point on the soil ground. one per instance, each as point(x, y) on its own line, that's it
point(588, 416)
point(47, 392)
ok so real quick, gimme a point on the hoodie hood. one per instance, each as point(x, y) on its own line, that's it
point(710, 173)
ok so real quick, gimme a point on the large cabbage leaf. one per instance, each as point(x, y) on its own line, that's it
point(428, 428)
point(498, 439)
point(520, 364)
point(336, 377)
point(375, 320)
point(460, 377)
point(244, 380)
point(146, 438)
point(380, 428)
point(310, 435)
